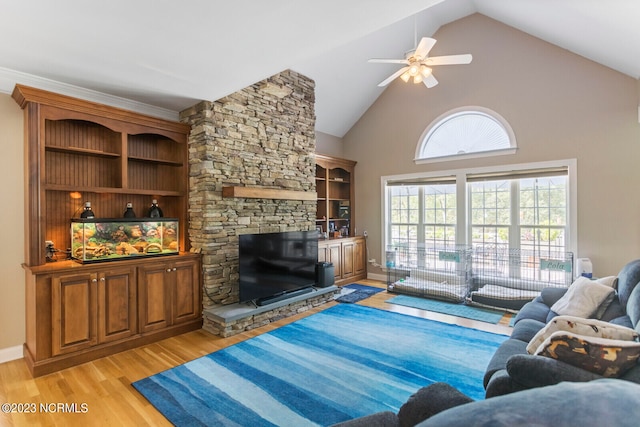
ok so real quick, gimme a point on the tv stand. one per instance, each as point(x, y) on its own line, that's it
point(282, 296)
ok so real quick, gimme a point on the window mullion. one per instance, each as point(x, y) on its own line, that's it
point(514, 228)
point(421, 217)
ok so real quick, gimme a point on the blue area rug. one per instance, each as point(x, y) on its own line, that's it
point(357, 292)
point(454, 309)
point(344, 362)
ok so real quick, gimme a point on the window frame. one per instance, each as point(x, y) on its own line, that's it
point(452, 114)
point(463, 224)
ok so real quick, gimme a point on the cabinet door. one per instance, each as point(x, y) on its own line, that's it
point(334, 250)
point(74, 308)
point(153, 297)
point(185, 291)
point(323, 253)
point(347, 259)
point(360, 256)
point(117, 311)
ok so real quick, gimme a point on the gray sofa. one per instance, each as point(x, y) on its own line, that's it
point(512, 369)
point(597, 403)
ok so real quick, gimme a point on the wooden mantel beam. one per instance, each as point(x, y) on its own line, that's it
point(268, 193)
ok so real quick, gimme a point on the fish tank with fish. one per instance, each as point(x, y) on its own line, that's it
point(100, 239)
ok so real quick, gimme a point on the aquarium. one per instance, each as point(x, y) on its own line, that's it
point(96, 239)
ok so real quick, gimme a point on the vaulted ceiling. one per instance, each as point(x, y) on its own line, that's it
point(169, 55)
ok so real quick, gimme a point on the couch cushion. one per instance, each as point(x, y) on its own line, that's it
point(598, 403)
point(429, 401)
point(526, 329)
point(536, 310)
point(613, 311)
point(628, 278)
point(503, 353)
point(530, 371)
point(379, 419)
point(584, 298)
point(633, 308)
point(550, 296)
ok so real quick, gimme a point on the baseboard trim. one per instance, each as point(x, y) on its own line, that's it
point(380, 277)
point(10, 353)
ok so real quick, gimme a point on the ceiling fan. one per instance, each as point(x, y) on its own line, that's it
point(418, 64)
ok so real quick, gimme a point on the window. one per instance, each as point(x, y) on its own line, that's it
point(524, 207)
point(422, 215)
point(465, 132)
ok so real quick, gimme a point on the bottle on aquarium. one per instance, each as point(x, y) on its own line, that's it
point(129, 213)
point(154, 210)
point(87, 212)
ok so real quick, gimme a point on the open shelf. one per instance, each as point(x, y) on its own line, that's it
point(100, 154)
point(335, 187)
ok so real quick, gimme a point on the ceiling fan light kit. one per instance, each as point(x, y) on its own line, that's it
point(417, 64)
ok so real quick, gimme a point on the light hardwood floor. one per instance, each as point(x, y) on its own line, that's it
point(102, 389)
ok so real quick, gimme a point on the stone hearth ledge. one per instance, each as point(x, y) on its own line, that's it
point(232, 319)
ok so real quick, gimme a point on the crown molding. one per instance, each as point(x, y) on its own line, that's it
point(9, 78)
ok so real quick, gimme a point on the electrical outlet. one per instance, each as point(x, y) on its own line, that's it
point(365, 234)
point(372, 261)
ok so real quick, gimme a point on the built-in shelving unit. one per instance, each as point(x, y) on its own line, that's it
point(79, 151)
point(335, 187)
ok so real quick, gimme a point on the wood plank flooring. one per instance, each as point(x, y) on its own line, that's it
point(101, 390)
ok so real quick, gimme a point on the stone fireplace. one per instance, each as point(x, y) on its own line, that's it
point(261, 136)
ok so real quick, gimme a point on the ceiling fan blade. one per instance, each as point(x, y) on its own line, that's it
point(449, 60)
point(393, 76)
point(424, 47)
point(388, 61)
point(430, 81)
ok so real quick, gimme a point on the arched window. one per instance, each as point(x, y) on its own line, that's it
point(464, 133)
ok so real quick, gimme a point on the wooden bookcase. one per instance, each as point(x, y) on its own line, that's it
point(335, 185)
point(336, 193)
point(77, 151)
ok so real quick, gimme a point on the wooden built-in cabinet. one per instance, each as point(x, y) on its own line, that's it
point(77, 313)
point(169, 294)
point(79, 151)
point(92, 307)
point(336, 189)
point(348, 255)
point(335, 185)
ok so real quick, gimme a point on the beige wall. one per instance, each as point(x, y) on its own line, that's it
point(329, 145)
point(560, 106)
point(12, 222)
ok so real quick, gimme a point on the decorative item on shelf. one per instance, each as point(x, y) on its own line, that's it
point(154, 210)
point(344, 231)
point(343, 210)
point(87, 212)
point(129, 213)
point(319, 230)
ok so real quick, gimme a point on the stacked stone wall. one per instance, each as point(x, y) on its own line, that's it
point(261, 136)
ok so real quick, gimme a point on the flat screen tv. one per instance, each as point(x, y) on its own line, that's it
point(275, 264)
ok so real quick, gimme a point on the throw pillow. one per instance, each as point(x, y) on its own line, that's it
point(609, 358)
point(611, 281)
point(583, 298)
point(579, 326)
